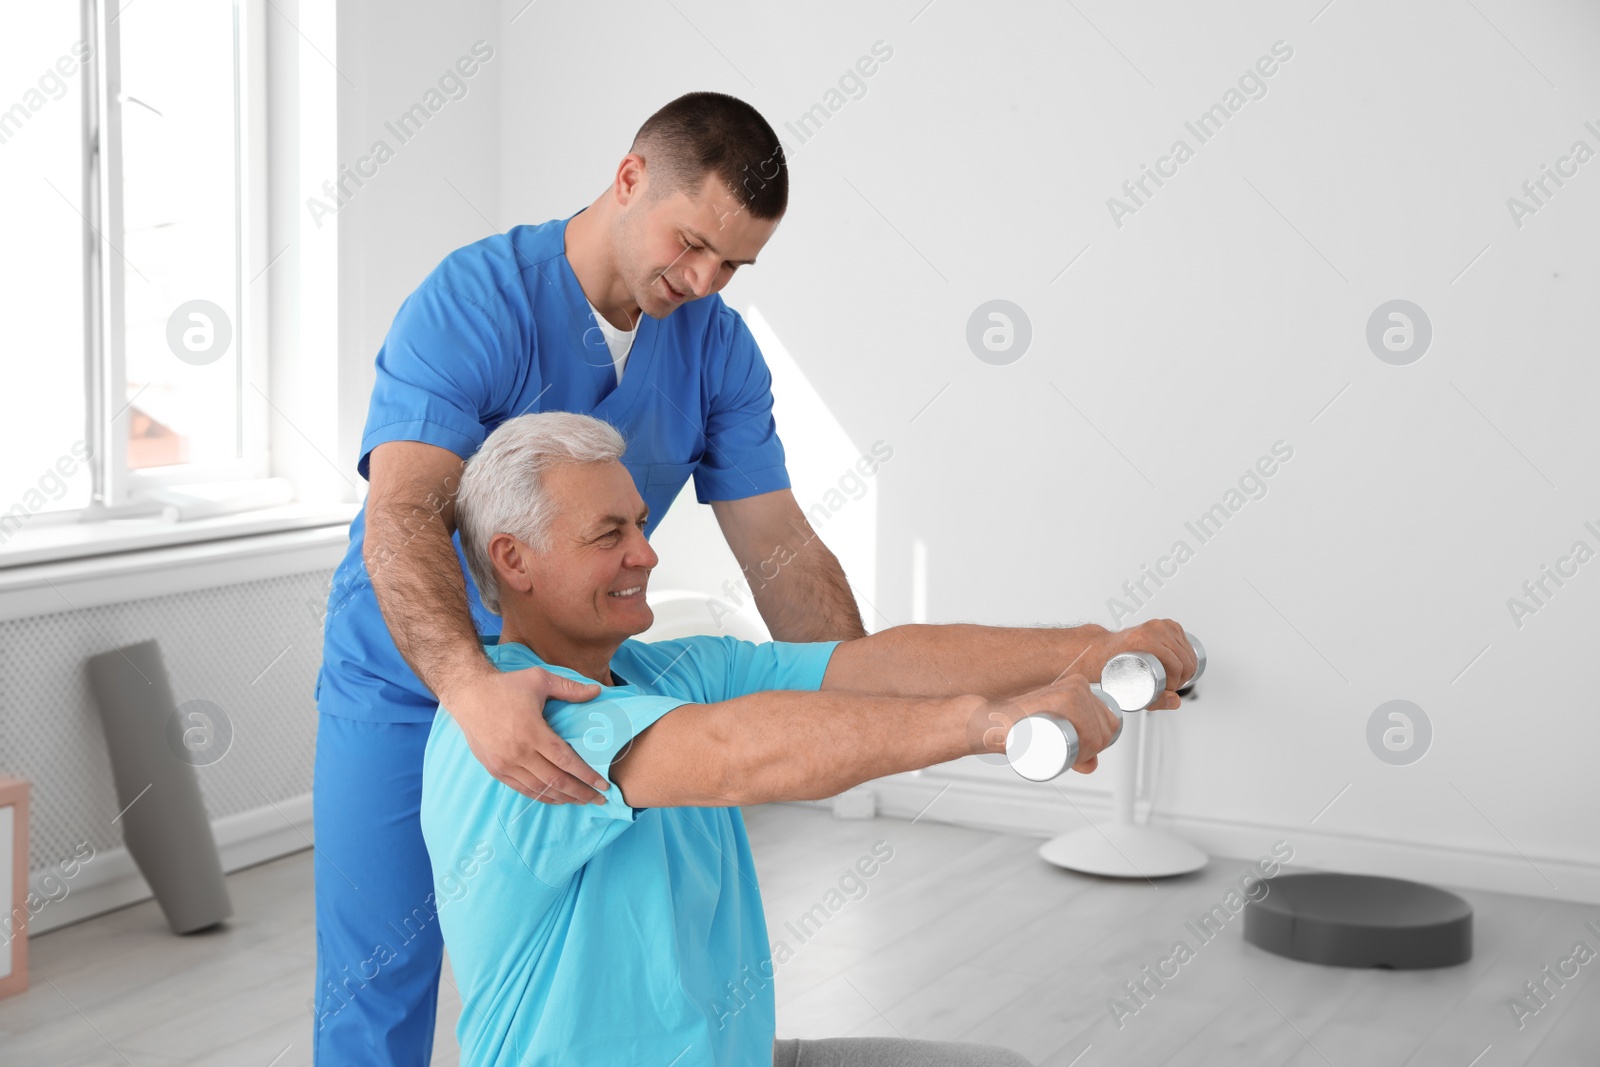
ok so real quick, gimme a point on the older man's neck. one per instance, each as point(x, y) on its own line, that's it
point(589, 661)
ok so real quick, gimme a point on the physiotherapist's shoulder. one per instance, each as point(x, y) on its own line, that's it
point(729, 328)
point(714, 332)
point(494, 269)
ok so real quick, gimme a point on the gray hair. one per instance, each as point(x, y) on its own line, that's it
point(502, 487)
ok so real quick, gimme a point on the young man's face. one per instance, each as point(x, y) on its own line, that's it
point(676, 248)
point(597, 550)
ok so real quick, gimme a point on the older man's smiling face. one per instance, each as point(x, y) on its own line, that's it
point(581, 597)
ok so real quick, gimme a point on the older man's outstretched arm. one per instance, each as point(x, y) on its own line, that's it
point(801, 745)
point(899, 700)
point(998, 662)
point(795, 745)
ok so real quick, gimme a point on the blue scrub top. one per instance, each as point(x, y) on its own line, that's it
point(502, 328)
point(589, 934)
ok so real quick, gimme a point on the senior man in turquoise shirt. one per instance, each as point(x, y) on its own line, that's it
point(613, 934)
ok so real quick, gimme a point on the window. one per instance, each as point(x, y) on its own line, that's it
point(42, 259)
point(132, 164)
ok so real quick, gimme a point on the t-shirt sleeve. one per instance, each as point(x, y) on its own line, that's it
point(743, 455)
point(717, 668)
point(449, 361)
point(753, 667)
point(555, 840)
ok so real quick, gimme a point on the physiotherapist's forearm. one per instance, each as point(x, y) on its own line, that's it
point(807, 597)
point(416, 577)
point(997, 662)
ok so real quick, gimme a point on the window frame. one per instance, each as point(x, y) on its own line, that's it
point(118, 491)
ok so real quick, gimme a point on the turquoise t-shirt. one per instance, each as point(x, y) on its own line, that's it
point(589, 934)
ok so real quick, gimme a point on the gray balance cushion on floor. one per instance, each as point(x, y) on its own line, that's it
point(1358, 920)
point(166, 828)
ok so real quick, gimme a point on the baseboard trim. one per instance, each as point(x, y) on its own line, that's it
point(1045, 813)
point(111, 880)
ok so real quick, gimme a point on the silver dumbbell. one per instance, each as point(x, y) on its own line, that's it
point(1042, 746)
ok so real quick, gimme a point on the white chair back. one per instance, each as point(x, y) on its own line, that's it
point(684, 613)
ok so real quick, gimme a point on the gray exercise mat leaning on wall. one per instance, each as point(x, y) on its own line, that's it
point(163, 818)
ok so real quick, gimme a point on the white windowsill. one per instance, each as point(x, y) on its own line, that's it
point(142, 560)
point(86, 540)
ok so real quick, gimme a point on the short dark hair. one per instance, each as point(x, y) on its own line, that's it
point(714, 133)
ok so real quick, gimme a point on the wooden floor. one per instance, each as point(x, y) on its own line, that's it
point(961, 934)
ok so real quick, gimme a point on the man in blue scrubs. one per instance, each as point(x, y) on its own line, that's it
point(611, 312)
point(633, 932)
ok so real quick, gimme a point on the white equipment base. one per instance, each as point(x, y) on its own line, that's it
point(1120, 848)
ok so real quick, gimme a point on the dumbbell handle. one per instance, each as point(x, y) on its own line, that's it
point(1200, 664)
point(1041, 746)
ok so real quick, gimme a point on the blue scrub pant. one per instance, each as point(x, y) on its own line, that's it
point(379, 948)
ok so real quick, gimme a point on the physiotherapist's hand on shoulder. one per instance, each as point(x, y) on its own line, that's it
point(416, 577)
point(501, 713)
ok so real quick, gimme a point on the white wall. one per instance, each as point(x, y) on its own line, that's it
point(438, 190)
point(1223, 316)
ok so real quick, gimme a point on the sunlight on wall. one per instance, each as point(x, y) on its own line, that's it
point(919, 580)
point(830, 479)
point(827, 470)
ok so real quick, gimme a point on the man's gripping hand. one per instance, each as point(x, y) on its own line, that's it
point(1162, 638)
point(1067, 698)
